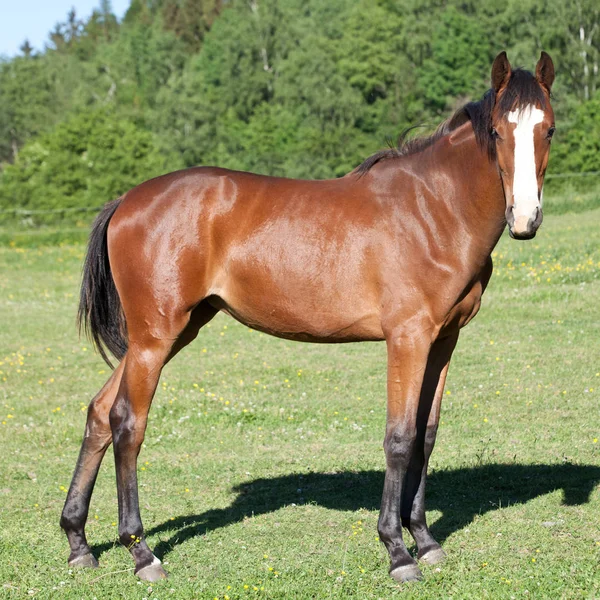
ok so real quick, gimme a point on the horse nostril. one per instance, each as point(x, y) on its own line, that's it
point(510, 217)
point(539, 215)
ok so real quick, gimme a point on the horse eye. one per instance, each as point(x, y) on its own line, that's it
point(551, 132)
point(494, 133)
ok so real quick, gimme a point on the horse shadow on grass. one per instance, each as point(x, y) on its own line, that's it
point(460, 495)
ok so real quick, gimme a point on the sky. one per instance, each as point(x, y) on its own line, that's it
point(34, 19)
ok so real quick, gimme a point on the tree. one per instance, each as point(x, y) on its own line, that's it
point(459, 63)
point(27, 106)
point(190, 20)
point(26, 48)
point(578, 148)
point(85, 161)
point(570, 31)
point(300, 88)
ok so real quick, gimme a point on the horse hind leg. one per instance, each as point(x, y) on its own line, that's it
point(96, 440)
point(145, 359)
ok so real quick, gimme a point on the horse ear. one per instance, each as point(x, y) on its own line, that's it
point(501, 72)
point(544, 71)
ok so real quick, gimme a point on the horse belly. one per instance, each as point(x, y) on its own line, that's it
point(299, 309)
point(299, 273)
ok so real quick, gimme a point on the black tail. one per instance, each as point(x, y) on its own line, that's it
point(100, 313)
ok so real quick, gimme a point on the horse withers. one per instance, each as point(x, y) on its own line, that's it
point(398, 250)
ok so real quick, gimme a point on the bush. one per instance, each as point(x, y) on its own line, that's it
point(82, 163)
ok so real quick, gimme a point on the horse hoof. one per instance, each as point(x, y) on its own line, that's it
point(433, 557)
point(85, 560)
point(407, 573)
point(153, 572)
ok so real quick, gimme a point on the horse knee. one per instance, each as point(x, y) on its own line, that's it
point(399, 444)
point(430, 435)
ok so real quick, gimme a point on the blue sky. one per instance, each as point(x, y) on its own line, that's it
point(34, 19)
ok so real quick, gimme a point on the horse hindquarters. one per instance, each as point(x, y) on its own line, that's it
point(126, 306)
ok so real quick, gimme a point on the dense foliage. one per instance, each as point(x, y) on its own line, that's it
point(302, 88)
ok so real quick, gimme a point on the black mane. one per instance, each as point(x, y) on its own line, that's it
point(522, 89)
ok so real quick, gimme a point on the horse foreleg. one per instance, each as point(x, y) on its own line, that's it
point(407, 360)
point(97, 438)
point(413, 501)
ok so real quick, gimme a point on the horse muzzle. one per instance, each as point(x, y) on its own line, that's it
point(523, 227)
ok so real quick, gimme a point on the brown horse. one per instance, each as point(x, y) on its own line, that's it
point(397, 250)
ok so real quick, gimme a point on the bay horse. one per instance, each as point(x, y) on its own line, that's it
point(398, 250)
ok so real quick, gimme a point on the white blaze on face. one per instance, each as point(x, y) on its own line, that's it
point(525, 186)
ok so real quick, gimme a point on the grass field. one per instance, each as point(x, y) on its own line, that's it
point(262, 468)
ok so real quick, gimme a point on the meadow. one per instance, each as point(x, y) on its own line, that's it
point(262, 468)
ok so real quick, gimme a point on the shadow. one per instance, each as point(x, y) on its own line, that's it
point(459, 494)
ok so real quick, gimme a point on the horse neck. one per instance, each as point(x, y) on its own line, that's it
point(464, 196)
point(478, 194)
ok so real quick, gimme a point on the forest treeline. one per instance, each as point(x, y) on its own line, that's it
point(301, 88)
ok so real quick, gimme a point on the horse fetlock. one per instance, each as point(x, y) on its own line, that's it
point(392, 539)
point(130, 538)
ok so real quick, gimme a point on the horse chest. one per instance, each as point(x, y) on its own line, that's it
point(469, 302)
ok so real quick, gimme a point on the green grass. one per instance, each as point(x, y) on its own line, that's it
point(561, 198)
point(262, 468)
